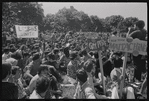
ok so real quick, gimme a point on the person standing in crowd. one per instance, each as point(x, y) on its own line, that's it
point(42, 71)
point(72, 65)
point(41, 88)
point(138, 61)
point(31, 69)
point(83, 89)
point(9, 90)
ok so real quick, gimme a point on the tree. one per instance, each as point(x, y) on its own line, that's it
point(129, 21)
point(113, 21)
point(25, 13)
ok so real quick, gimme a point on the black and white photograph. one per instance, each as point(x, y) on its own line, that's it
point(74, 50)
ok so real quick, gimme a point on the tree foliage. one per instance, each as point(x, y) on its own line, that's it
point(66, 19)
point(22, 13)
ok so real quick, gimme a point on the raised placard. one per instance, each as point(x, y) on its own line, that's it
point(128, 45)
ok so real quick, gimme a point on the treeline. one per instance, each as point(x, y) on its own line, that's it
point(66, 19)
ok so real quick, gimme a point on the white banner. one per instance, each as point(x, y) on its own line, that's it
point(129, 45)
point(27, 31)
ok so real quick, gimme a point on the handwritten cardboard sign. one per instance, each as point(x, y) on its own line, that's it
point(27, 31)
point(96, 44)
point(129, 45)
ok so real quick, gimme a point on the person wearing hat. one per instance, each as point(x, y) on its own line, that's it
point(72, 66)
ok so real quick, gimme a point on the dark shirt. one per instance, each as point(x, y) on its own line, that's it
point(9, 91)
point(140, 34)
point(107, 67)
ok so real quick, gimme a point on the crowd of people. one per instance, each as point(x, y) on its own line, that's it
point(36, 69)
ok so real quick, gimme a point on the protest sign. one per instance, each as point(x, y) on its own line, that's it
point(96, 43)
point(27, 31)
point(128, 45)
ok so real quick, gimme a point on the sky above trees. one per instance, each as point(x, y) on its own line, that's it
point(102, 10)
